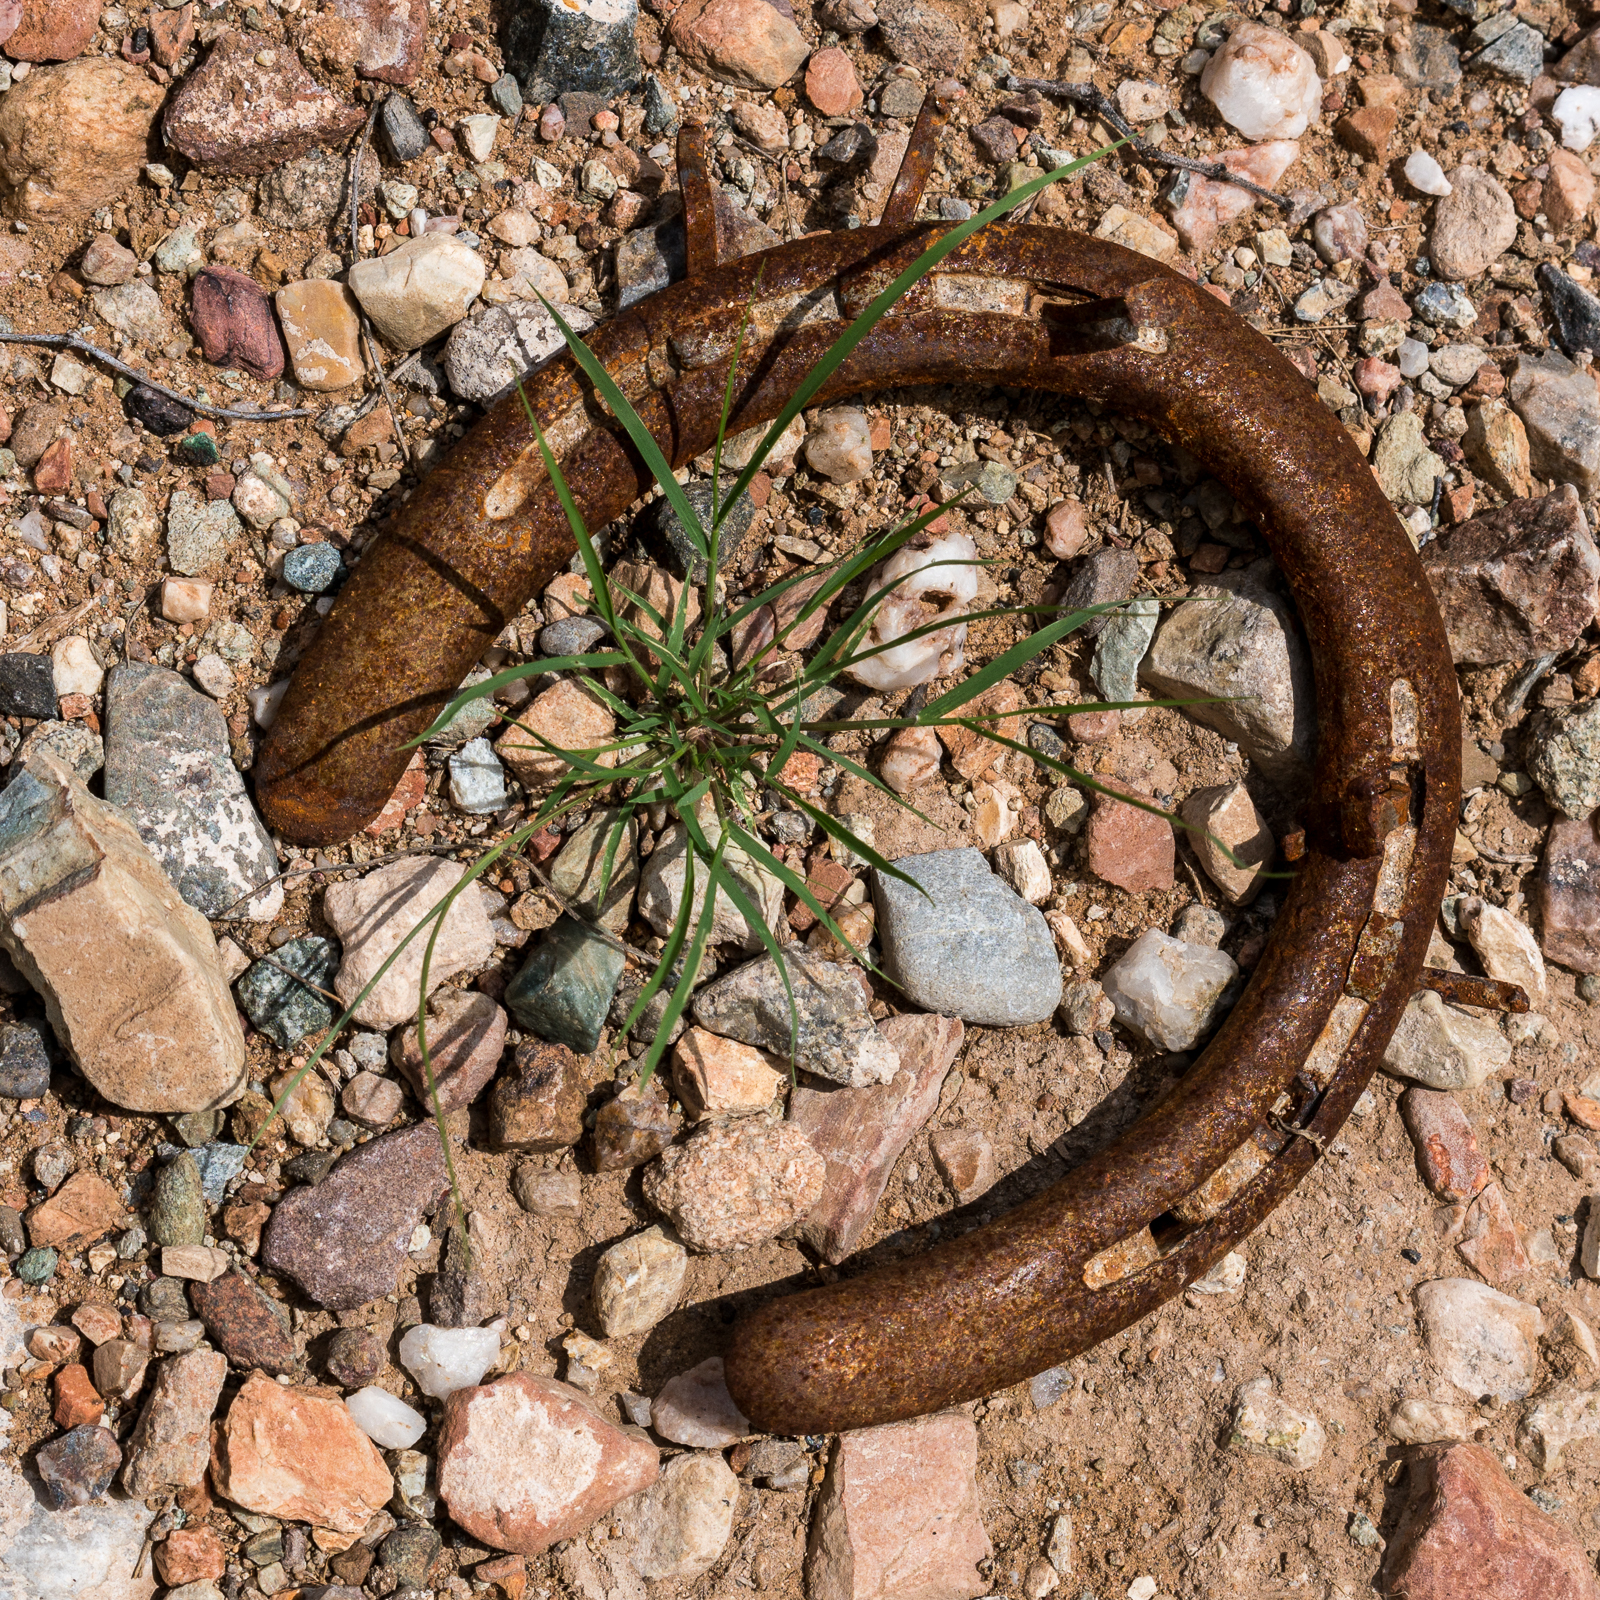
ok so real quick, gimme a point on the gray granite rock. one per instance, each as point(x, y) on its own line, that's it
point(1564, 758)
point(343, 1239)
point(835, 1038)
point(1237, 646)
point(169, 768)
point(579, 44)
point(967, 946)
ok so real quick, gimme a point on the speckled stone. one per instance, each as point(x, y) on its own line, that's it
point(177, 1207)
point(313, 568)
point(169, 767)
point(284, 1010)
point(244, 1323)
point(24, 1060)
point(354, 1358)
point(343, 1239)
point(736, 1185)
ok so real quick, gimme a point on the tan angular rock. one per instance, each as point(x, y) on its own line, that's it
point(83, 1209)
point(525, 1462)
point(466, 1035)
point(322, 329)
point(568, 717)
point(898, 1515)
point(966, 1161)
point(638, 1281)
point(1496, 443)
point(718, 1077)
point(111, 107)
point(1225, 819)
point(373, 914)
point(298, 1455)
point(737, 1184)
point(171, 1444)
point(680, 1525)
point(129, 973)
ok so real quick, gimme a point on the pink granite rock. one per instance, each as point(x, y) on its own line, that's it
point(525, 1462)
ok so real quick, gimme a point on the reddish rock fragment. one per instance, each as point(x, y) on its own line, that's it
point(860, 1133)
point(1469, 1533)
point(233, 320)
point(252, 106)
point(1516, 582)
point(1492, 1246)
point(1567, 896)
point(83, 1209)
point(1128, 847)
point(190, 1555)
point(245, 1324)
point(77, 1400)
point(1448, 1157)
point(525, 1462)
point(899, 1515)
point(1368, 131)
point(171, 33)
point(53, 30)
point(53, 473)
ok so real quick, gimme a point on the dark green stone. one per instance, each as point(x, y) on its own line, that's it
point(38, 1265)
point(178, 1206)
point(199, 449)
point(283, 1009)
point(564, 990)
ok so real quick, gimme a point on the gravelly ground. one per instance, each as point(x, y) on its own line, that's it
point(1136, 1448)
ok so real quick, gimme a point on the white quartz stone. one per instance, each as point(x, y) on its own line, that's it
point(1424, 173)
point(385, 1418)
point(443, 1360)
point(1263, 83)
point(1577, 114)
point(1168, 991)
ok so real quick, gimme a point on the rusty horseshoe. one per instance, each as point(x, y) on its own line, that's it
point(1043, 309)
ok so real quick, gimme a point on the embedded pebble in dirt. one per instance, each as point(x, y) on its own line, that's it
point(174, 1251)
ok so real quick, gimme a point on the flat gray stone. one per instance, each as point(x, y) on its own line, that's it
point(970, 946)
point(169, 769)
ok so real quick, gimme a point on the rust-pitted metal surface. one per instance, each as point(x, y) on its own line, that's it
point(1039, 308)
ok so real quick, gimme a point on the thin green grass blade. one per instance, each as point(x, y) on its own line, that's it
point(644, 441)
point(841, 348)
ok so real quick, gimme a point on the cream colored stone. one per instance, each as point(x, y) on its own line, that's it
point(569, 717)
point(718, 1077)
point(1224, 819)
point(129, 973)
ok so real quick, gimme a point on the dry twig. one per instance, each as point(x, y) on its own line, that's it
point(82, 347)
point(1088, 98)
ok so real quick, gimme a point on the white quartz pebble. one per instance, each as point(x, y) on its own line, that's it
point(1168, 991)
point(443, 1360)
point(1411, 358)
point(1577, 113)
point(1263, 83)
point(385, 1418)
point(1424, 173)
